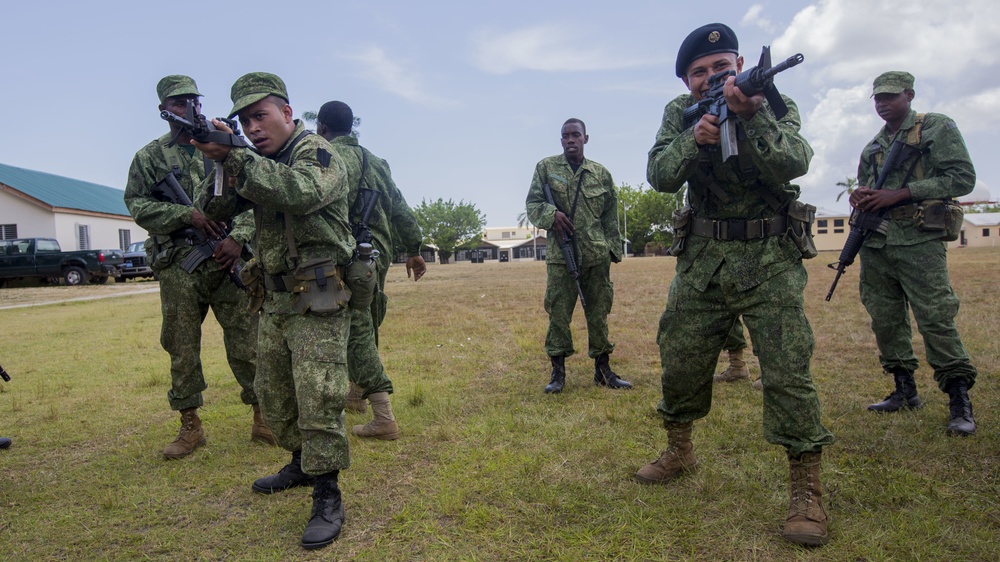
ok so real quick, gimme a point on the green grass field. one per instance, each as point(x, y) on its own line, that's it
point(489, 467)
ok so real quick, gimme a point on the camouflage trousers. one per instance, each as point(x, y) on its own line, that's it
point(735, 340)
point(560, 301)
point(184, 302)
point(302, 382)
point(363, 361)
point(693, 329)
point(897, 279)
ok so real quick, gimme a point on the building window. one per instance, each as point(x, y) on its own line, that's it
point(525, 252)
point(83, 236)
point(821, 231)
point(838, 222)
point(986, 232)
point(8, 231)
point(821, 223)
point(504, 235)
point(124, 238)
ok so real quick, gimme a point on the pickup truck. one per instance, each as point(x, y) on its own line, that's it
point(134, 263)
point(43, 259)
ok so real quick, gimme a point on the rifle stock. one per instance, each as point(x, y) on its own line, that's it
point(566, 245)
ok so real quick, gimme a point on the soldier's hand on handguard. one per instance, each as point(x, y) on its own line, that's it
point(417, 265)
point(208, 228)
point(227, 254)
point(745, 107)
point(214, 150)
point(706, 131)
point(871, 200)
point(562, 225)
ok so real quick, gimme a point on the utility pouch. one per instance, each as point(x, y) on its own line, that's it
point(680, 220)
point(800, 220)
point(362, 276)
point(320, 288)
point(252, 275)
point(931, 216)
point(160, 251)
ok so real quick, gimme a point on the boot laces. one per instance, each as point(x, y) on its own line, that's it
point(802, 491)
point(959, 404)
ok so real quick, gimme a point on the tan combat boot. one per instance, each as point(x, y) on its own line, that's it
point(260, 431)
point(806, 521)
point(190, 438)
point(355, 403)
point(675, 461)
point(383, 425)
point(737, 370)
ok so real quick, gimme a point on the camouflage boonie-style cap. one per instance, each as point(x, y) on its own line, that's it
point(253, 87)
point(892, 82)
point(176, 85)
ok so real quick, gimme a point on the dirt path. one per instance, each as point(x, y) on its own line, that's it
point(37, 296)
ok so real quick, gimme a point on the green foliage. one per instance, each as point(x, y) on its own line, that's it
point(648, 216)
point(450, 226)
point(985, 207)
point(849, 185)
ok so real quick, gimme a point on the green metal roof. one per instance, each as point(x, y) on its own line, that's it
point(64, 192)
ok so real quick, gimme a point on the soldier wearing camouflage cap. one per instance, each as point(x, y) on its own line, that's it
point(186, 296)
point(891, 282)
point(296, 186)
point(736, 258)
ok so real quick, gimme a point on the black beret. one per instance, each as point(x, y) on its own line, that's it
point(706, 40)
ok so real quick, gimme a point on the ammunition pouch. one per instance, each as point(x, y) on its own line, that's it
point(160, 251)
point(362, 278)
point(680, 221)
point(252, 275)
point(940, 216)
point(800, 220)
point(319, 287)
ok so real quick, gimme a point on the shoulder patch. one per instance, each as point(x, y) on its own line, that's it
point(323, 156)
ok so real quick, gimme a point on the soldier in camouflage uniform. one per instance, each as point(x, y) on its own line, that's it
point(391, 217)
point(734, 347)
point(906, 267)
point(739, 261)
point(297, 189)
point(186, 297)
point(586, 204)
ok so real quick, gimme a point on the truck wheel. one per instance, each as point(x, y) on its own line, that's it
point(74, 276)
point(99, 279)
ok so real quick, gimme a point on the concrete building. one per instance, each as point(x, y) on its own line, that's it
point(978, 230)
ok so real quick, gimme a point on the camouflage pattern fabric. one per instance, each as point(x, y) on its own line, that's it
point(735, 340)
point(719, 281)
point(186, 297)
point(891, 282)
point(302, 370)
point(560, 301)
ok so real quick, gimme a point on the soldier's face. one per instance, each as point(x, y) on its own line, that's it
point(699, 71)
point(268, 125)
point(178, 104)
point(573, 138)
point(893, 107)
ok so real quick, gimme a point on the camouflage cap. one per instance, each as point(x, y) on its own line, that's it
point(176, 85)
point(253, 87)
point(892, 82)
point(706, 40)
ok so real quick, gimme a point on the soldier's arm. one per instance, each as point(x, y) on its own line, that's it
point(779, 151)
point(948, 169)
point(675, 153)
point(541, 213)
point(403, 222)
point(152, 214)
point(315, 179)
point(609, 220)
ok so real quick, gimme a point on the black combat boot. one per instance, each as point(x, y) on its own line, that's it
point(555, 386)
point(960, 420)
point(903, 398)
point(5, 442)
point(327, 513)
point(288, 477)
point(604, 376)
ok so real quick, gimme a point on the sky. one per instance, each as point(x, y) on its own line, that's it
point(464, 98)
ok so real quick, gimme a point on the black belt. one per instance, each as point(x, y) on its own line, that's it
point(739, 229)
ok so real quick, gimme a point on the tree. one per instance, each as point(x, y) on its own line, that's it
point(450, 226)
point(849, 185)
point(644, 216)
point(313, 117)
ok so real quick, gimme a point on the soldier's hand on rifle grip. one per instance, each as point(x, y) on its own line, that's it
point(209, 229)
point(744, 106)
point(562, 225)
point(706, 131)
point(417, 265)
point(227, 254)
point(214, 150)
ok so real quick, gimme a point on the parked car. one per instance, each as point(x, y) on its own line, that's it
point(43, 259)
point(134, 265)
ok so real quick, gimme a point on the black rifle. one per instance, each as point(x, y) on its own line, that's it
point(566, 245)
point(201, 129)
point(366, 201)
point(751, 82)
point(863, 224)
point(3, 374)
point(170, 190)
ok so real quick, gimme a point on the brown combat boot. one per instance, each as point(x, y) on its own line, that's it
point(383, 425)
point(737, 370)
point(806, 523)
point(190, 438)
point(675, 461)
point(355, 403)
point(260, 431)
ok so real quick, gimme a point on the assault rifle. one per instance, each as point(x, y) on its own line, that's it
point(3, 374)
point(566, 245)
point(863, 224)
point(201, 129)
point(366, 201)
point(169, 189)
point(751, 82)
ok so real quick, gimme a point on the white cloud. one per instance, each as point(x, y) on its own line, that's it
point(546, 48)
point(390, 76)
point(754, 17)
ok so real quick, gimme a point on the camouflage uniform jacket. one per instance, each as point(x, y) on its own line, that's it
point(311, 188)
point(947, 172)
point(159, 217)
point(392, 221)
point(779, 154)
point(598, 239)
